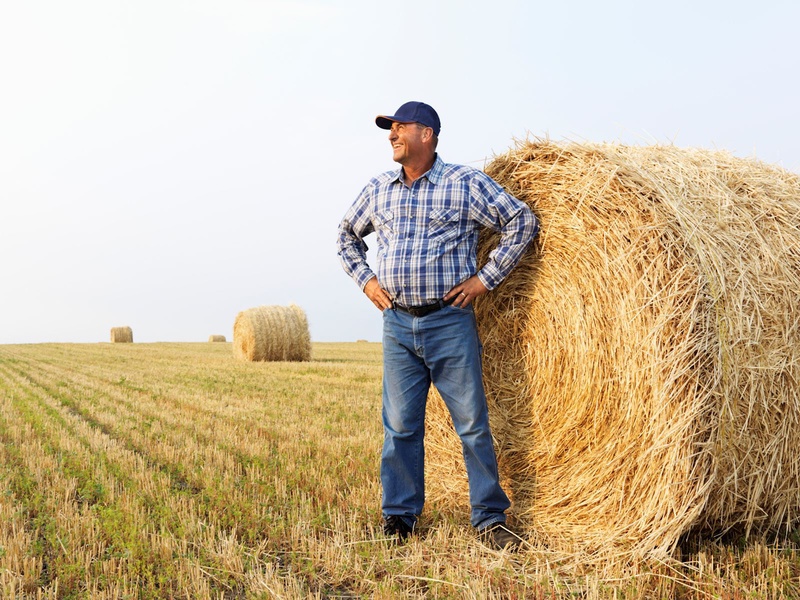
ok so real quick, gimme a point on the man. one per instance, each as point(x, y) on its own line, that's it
point(426, 216)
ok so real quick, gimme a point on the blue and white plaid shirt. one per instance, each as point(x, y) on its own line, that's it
point(428, 233)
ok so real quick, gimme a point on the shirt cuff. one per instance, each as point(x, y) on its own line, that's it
point(489, 277)
point(362, 276)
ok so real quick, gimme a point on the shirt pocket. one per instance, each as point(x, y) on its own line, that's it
point(444, 225)
point(385, 224)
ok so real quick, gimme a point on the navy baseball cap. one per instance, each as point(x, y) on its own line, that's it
point(411, 112)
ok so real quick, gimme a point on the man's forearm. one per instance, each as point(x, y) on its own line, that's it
point(515, 238)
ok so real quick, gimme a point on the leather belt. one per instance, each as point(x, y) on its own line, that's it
point(425, 309)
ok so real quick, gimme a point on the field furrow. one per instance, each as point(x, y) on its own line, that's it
point(99, 486)
point(200, 452)
point(186, 484)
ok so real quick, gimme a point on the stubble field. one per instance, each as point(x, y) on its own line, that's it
point(175, 471)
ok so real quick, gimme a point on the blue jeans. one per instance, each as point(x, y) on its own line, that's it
point(440, 348)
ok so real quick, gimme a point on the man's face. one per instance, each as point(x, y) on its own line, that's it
point(406, 140)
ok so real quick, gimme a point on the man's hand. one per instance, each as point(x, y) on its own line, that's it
point(379, 296)
point(466, 291)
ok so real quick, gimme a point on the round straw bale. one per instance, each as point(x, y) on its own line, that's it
point(216, 338)
point(272, 333)
point(121, 335)
point(642, 361)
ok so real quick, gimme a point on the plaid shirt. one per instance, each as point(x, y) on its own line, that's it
point(428, 233)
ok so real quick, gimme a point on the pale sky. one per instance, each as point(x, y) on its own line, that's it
point(165, 164)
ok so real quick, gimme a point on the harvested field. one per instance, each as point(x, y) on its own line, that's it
point(160, 471)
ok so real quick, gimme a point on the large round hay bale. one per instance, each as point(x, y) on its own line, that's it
point(642, 362)
point(216, 338)
point(121, 335)
point(272, 333)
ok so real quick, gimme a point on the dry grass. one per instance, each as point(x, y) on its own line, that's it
point(642, 362)
point(121, 335)
point(272, 333)
point(175, 471)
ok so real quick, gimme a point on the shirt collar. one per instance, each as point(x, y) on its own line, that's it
point(434, 174)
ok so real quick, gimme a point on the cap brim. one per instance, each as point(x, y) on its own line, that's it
point(385, 122)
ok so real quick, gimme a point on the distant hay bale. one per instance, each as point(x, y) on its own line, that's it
point(216, 338)
point(121, 335)
point(272, 333)
point(642, 362)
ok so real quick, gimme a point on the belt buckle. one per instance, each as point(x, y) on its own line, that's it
point(421, 311)
point(418, 311)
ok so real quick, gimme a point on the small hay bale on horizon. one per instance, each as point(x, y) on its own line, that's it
point(121, 335)
point(217, 338)
point(642, 362)
point(272, 333)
